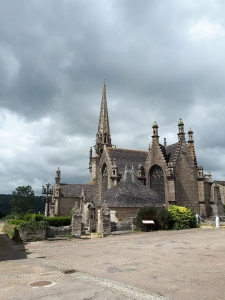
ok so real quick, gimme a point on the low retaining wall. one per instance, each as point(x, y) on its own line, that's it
point(58, 231)
point(120, 226)
point(30, 235)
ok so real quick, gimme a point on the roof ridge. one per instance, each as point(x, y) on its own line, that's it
point(171, 144)
point(125, 149)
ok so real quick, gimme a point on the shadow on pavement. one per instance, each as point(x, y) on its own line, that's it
point(10, 250)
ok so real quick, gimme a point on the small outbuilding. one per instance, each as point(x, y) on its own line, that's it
point(125, 199)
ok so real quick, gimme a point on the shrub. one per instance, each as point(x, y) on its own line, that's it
point(9, 229)
point(58, 221)
point(165, 219)
point(33, 225)
point(183, 218)
point(35, 217)
point(11, 217)
point(15, 222)
point(147, 213)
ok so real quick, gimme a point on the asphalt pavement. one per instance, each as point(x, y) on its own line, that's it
point(187, 264)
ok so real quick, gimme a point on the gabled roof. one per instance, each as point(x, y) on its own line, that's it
point(129, 192)
point(220, 182)
point(75, 190)
point(170, 152)
point(127, 157)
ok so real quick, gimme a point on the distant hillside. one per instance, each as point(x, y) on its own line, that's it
point(5, 207)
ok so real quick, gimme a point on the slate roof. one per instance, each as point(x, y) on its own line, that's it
point(170, 152)
point(130, 192)
point(75, 190)
point(220, 182)
point(127, 157)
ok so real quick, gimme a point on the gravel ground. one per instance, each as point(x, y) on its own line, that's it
point(187, 264)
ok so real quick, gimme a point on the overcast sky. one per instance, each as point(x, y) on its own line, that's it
point(162, 60)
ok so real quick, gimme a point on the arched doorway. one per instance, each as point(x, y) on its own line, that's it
point(157, 181)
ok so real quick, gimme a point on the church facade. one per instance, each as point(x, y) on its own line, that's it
point(119, 176)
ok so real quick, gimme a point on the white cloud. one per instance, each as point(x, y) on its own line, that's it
point(53, 62)
point(205, 30)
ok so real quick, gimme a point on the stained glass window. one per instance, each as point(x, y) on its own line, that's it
point(157, 181)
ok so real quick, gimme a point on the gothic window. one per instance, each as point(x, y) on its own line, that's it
point(157, 181)
point(104, 178)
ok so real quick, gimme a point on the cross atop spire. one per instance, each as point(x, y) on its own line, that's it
point(103, 136)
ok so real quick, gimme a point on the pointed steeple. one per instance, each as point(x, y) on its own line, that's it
point(155, 135)
point(181, 134)
point(103, 137)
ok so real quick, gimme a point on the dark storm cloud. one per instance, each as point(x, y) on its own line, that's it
point(161, 60)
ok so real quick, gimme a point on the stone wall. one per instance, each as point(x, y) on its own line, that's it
point(66, 204)
point(76, 222)
point(186, 185)
point(120, 226)
point(106, 222)
point(122, 214)
point(222, 192)
point(58, 231)
point(208, 206)
point(156, 157)
point(30, 235)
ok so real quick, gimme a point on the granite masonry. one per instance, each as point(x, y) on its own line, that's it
point(125, 180)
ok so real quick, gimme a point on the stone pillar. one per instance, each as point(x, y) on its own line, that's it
point(201, 195)
point(133, 223)
point(106, 222)
point(76, 222)
point(171, 185)
point(218, 206)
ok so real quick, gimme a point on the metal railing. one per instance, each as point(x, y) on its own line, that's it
point(214, 219)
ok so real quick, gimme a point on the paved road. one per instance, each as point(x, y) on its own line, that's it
point(188, 264)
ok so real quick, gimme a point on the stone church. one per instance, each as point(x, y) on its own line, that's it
point(125, 180)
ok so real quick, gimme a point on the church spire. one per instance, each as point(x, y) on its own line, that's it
point(103, 136)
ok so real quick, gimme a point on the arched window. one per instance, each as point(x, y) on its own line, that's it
point(104, 178)
point(157, 181)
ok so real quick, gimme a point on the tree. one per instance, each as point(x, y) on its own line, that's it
point(22, 200)
point(147, 213)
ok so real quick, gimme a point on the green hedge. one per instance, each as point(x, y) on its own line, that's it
point(35, 217)
point(15, 222)
point(33, 225)
point(58, 221)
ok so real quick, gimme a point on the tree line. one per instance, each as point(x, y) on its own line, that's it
point(21, 201)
